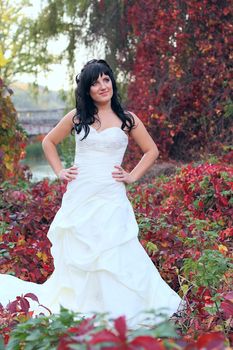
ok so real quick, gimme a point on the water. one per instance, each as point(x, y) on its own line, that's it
point(40, 169)
point(37, 163)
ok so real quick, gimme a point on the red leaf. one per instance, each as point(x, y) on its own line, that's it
point(24, 304)
point(6, 338)
point(104, 336)
point(223, 200)
point(12, 307)
point(31, 296)
point(147, 343)
point(64, 344)
point(227, 307)
point(84, 327)
point(229, 296)
point(120, 326)
point(211, 341)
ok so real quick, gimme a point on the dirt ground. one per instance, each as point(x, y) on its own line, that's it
point(161, 168)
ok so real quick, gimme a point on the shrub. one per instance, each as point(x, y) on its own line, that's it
point(25, 218)
point(68, 330)
point(181, 84)
point(13, 139)
point(186, 226)
point(185, 223)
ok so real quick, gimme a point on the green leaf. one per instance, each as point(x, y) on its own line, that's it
point(2, 346)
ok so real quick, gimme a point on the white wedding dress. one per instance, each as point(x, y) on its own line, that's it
point(100, 264)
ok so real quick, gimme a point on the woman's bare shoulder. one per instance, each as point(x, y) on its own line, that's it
point(69, 119)
point(62, 129)
point(135, 118)
point(70, 115)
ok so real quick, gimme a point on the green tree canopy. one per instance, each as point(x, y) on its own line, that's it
point(89, 22)
point(21, 49)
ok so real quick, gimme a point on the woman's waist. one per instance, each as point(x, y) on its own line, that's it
point(98, 163)
point(96, 177)
point(102, 172)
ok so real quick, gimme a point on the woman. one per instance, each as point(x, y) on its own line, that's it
point(100, 266)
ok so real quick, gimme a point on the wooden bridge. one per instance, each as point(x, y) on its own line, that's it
point(40, 121)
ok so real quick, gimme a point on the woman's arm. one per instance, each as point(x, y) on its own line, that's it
point(49, 143)
point(148, 147)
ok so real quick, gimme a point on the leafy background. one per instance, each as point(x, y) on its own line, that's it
point(173, 62)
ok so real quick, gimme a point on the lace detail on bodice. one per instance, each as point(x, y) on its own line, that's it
point(110, 141)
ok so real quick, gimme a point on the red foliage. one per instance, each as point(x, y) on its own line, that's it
point(28, 215)
point(13, 139)
point(186, 218)
point(86, 333)
point(118, 339)
point(115, 339)
point(76, 335)
point(211, 341)
point(181, 217)
point(204, 190)
point(182, 74)
point(16, 311)
point(227, 304)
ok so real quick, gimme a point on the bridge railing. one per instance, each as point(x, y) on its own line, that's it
point(39, 114)
point(40, 121)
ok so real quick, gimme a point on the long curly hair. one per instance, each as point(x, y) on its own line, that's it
point(86, 111)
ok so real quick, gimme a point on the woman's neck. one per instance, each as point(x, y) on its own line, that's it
point(104, 108)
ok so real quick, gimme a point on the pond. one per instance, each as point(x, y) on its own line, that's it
point(40, 169)
point(37, 162)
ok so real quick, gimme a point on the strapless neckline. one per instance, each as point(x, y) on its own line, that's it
point(106, 129)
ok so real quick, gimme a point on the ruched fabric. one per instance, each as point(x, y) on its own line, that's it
point(100, 265)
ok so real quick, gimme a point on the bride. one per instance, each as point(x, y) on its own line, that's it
point(100, 265)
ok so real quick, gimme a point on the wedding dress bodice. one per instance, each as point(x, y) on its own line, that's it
point(100, 151)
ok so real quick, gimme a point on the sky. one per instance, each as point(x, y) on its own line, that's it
point(57, 78)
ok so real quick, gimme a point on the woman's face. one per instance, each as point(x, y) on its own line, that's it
point(101, 90)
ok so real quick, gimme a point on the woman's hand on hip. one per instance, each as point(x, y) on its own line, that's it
point(121, 175)
point(68, 174)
